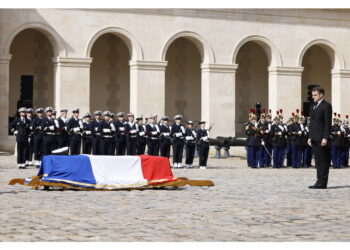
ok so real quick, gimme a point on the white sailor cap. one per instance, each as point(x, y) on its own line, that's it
point(190, 122)
point(201, 122)
point(39, 110)
point(112, 115)
point(120, 114)
point(49, 109)
point(177, 117)
point(130, 114)
point(23, 109)
point(98, 112)
point(138, 118)
point(106, 113)
point(152, 116)
point(87, 115)
point(29, 110)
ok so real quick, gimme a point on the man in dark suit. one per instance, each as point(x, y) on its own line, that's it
point(320, 129)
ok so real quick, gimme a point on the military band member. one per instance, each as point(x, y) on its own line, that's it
point(268, 144)
point(63, 137)
point(107, 130)
point(131, 130)
point(336, 142)
point(296, 141)
point(37, 136)
point(142, 136)
point(253, 141)
point(20, 128)
point(87, 134)
point(164, 137)
point(203, 141)
point(289, 142)
point(153, 132)
point(264, 135)
point(120, 136)
point(30, 139)
point(49, 129)
point(279, 132)
point(75, 129)
point(94, 127)
point(190, 144)
point(178, 134)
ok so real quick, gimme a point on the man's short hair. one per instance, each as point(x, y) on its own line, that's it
point(319, 89)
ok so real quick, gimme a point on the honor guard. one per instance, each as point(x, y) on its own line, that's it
point(20, 128)
point(346, 142)
point(121, 136)
point(264, 131)
point(306, 152)
point(75, 129)
point(268, 144)
point(203, 141)
point(30, 139)
point(49, 129)
point(131, 129)
point(177, 133)
point(142, 136)
point(153, 132)
point(107, 130)
point(63, 137)
point(94, 127)
point(87, 134)
point(336, 142)
point(279, 132)
point(253, 141)
point(289, 142)
point(164, 137)
point(37, 136)
point(57, 132)
point(113, 119)
point(297, 138)
point(190, 144)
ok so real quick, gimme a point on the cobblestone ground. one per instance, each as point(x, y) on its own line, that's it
point(245, 205)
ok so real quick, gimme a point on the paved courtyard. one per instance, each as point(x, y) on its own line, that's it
point(245, 205)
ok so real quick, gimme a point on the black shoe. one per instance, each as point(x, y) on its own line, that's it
point(320, 187)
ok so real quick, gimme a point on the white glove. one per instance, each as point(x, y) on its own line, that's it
point(279, 133)
point(65, 128)
point(96, 129)
point(266, 131)
point(166, 134)
point(76, 129)
point(339, 132)
point(154, 132)
point(205, 138)
point(106, 130)
point(142, 133)
point(133, 131)
point(88, 132)
point(178, 134)
point(262, 143)
point(189, 138)
point(15, 133)
point(299, 132)
point(52, 127)
point(121, 128)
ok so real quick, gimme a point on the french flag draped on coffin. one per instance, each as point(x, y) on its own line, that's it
point(107, 172)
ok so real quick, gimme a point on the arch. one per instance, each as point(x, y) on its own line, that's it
point(133, 45)
point(273, 54)
point(336, 57)
point(49, 32)
point(203, 46)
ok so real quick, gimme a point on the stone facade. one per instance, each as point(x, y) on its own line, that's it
point(209, 64)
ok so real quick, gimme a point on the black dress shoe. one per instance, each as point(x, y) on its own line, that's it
point(313, 186)
point(320, 187)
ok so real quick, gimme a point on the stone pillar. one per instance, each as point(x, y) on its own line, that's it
point(218, 98)
point(6, 142)
point(340, 92)
point(72, 84)
point(147, 87)
point(285, 89)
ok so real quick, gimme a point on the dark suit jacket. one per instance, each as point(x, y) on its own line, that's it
point(321, 121)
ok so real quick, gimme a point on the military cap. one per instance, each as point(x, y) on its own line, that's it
point(64, 110)
point(54, 112)
point(49, 109)
point(120, 114)
point(98, 112)
point(190, 122)
point(152, 116)
point(39, 110)
point(112, 115)
point(23, 109)
point(75, 110)
point(29, 110)
point(165, 118)
point(106, 113)
point(201, 122)
point(87, 115)
point(139, 118)
point(177, 117)
point(130, 114)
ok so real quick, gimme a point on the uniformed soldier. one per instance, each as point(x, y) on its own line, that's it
point(113, 119)
point(121, 136)
point(190, 139)
point(57, 132)
point(284, 149)
point(177, 133)
point(107, 130)
point(306, 149)
point(20, 128)
point(253, 141)
point(49, 128)
point(264, 132)
point(336, 142)
point(75, 129)
point(279, 132)
point(63, 137)
point(37, 136)
point(131, 130)
point(153, 132)
point(268, 144)
point(164, 137)
point(346, 142)
point(296, 141)
point(87, 134)
point(30, 139)
point(142, 136)
point(203, 141)
point(289, 142)
point(94, 127)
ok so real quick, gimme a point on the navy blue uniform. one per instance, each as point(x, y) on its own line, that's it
point(289, 146)
point(120, 137)
point(253, 143)
point(307, 150)
point(190, 144)
point(297, 141)
point(20, 127)
point(203, 141)
point(278, 144)
point(165, 141)
point(153, 132)
point(131, 129)
point(37, 138)
point(30, 141)
point(49, 129)
point(63, 137)
point(141, 140)
point(96, 138)
point(107, 131)
point(265, 137)
point(336, 144)
point(87, 138)
point(75, 129)
point(178, 135)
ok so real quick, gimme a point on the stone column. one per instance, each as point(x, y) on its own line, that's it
point(340, 91)
point(218, 98)
point(285, 89)
point(72, 84)
point(6, 142)
point(147, 87)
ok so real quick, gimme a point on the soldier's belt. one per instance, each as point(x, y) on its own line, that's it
point(50, 133)
point(154, 138)
point(97, 133)
point(107, 136)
